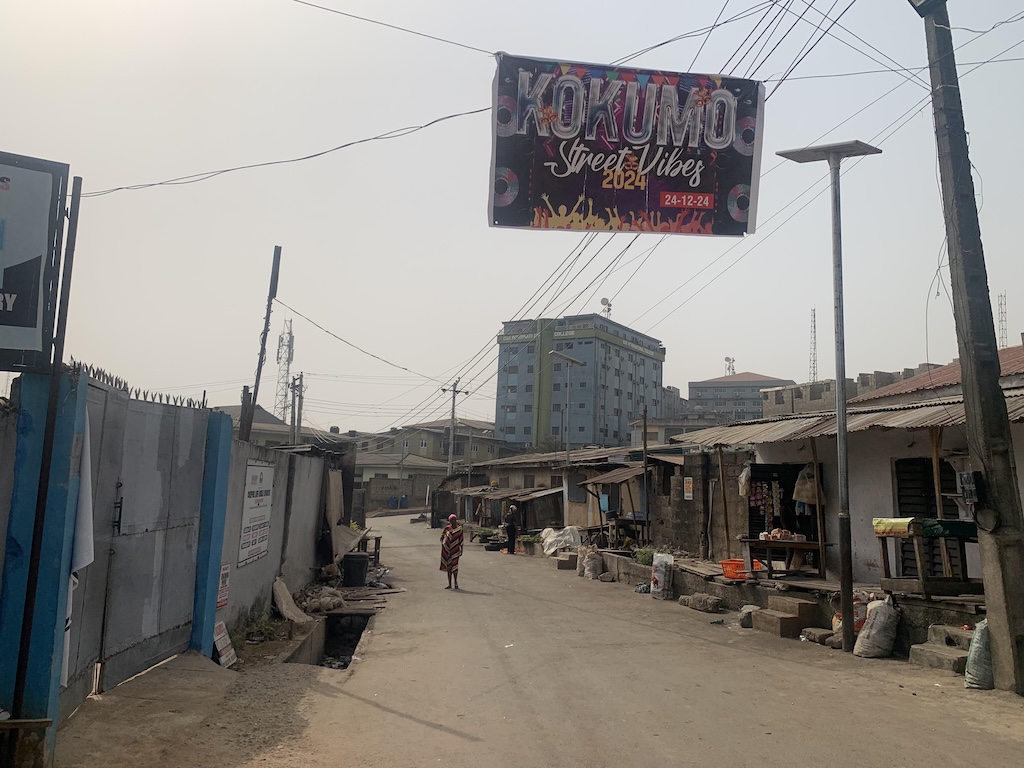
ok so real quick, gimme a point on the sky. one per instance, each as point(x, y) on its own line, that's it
point(386, 243)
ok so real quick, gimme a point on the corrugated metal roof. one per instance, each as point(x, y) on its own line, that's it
point(475, 490)
point(619, 475)
point(678, 460)
point(947, 412)
point(538, 494)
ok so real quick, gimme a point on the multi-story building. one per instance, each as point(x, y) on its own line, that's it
point(738, 395)
point(619, 372)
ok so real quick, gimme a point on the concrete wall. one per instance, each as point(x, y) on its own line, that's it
point(250, 585)
point(678, 522)
point(304, 521)
point(377, 490)
point(872, 456)
point(8, 439)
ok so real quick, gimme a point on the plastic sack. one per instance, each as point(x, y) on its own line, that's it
point(581, 558)
point(744, 481)
point(979, 660)
point(567, 538)
point(593, 564)
point(804, 489)
point(661, 576)
point(878, 635)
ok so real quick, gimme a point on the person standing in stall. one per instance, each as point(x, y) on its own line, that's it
point(510, 528)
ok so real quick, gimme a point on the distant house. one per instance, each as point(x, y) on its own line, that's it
point(738, 395)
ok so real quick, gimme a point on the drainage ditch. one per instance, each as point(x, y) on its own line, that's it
point(342, 639)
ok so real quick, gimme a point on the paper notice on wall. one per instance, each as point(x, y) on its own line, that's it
point(222, 644)
point(688, 488)
point(256, 512)
point(222, 590)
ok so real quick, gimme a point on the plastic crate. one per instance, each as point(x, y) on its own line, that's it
point(736, 569)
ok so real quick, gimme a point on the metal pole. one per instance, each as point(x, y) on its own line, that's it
point(245, 422)
point(298, 411)
point(568, 407)
point(845, 538)
point(647, 487)
point(46, 461)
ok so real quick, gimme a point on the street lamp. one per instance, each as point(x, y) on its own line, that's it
point(570, 362)
point(834, 154)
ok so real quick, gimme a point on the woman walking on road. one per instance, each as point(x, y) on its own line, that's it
point(451, 549)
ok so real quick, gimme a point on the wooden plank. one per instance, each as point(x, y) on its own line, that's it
point(936, 436)
point(819, 512)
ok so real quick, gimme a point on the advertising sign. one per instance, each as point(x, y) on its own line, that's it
point(31, 229)
point(688, 488)
point(224, 588)
point(256, 512)
point(590, 147)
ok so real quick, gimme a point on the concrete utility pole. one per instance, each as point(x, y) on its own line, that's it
point(249, 411)
point(298, 410)
point(1000, 522)
point(451, 431)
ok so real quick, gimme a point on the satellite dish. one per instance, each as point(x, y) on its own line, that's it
point(605, 302)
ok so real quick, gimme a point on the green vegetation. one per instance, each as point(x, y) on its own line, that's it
point(644, 556)
point(533, 538)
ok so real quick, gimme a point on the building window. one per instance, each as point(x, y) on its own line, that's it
point(558, 366)
point(618, 393)
point(513, 369)
point(405, 443)
point(615, 435)
point(582, 429)
point(490, 449)
point(556, 481)
point(583, 385)
point(528, 481)
point(423, 443)
point(559, 346)
point(513, 350)
point(510, 409)
point(380, 445)
point(512, 388)
point(617, 412)
point(364, 444)
point(556, 406)
point(530, 349)
point(528, 408)
point(583, 405)
point(529, 369)
point(556, 387)
point(527, 430)
point(510, 430)
point(475, 447)
point(556, 431)
point(629, 395)
point(529, 387)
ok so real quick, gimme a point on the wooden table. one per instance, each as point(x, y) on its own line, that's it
point(776, 544)
point(918, 529)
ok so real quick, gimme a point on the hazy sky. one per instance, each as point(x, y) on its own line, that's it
point(386, 244)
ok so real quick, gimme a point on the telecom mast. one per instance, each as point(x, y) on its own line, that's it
point(285, 353)
point(813, 372)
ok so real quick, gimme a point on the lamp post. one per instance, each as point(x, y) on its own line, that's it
point(569, 363)
point(834, 154)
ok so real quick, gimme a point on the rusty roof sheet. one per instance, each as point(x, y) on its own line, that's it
point(620, 475)
point(946, 412)
point(536, 494)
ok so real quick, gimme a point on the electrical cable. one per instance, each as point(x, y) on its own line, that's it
point(807, 53)
point(395, 27)
point(708, 36)
point(206, 175)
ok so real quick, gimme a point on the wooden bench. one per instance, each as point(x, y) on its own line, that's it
point(917, 529)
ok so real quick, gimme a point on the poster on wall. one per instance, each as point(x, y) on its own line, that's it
point(592, 147)
point(222, 590)
point(688, 488)
point(256, 512)
point(32, 193)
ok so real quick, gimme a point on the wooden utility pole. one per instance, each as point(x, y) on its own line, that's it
point(249, 411)
point(998, 510)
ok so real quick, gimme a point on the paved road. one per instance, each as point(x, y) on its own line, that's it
point(529, 666)
point(526, 666)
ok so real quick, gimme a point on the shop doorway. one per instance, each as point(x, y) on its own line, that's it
point(915, 497)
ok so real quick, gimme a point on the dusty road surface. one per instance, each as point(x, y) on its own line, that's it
point(528, 666)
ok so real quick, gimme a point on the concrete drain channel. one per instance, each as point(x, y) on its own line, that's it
point(333, 642)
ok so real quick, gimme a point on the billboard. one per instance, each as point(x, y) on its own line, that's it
point(31, 229)
point(591, 147)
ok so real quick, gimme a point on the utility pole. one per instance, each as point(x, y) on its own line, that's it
point(298, 410)
point(647, 484)
point(569, 363)
point(293, 385)
point(451, 430)
point(1000, 522)
point(245, 420)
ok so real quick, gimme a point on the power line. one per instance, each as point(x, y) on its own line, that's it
point(708, 35)
point(800, 58)
point(354, 346)
point(395, 27)
point(206, 175)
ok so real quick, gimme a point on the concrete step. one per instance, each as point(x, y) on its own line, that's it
point(777, 623)
point(939, 657)
point(951, 637)
point(807, 610)
point(566, 561)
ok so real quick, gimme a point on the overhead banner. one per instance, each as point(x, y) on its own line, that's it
point(590, 147)
point(31, 229)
